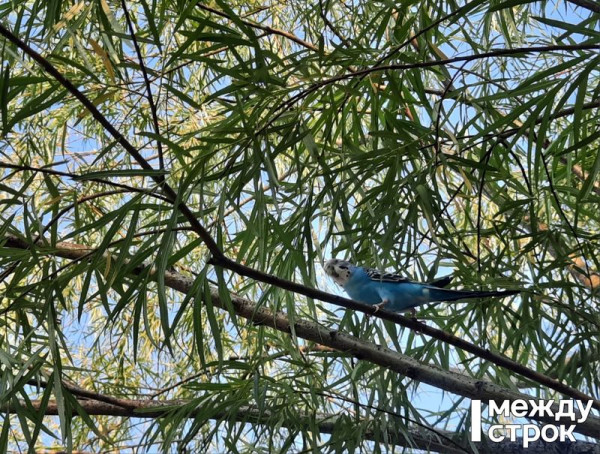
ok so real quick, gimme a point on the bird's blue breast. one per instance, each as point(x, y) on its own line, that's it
point(362, 291)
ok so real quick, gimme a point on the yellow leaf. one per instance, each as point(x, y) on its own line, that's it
point(96, 101)
point(73, 11)
point(53, 201)
point(105, 60)
point(105, 7)
point(107, 267)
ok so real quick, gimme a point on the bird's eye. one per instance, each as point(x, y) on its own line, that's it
point(343, 267)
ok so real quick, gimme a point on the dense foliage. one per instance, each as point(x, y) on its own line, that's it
point(427, 138)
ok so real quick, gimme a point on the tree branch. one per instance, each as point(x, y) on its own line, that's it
point(328, 24)
point(590, 279)
point(427, 64)
point(148, 86)
point(325, 423)
point(48, 171)
point(405, 365)
point(587, 4)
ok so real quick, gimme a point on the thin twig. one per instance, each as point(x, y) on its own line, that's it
point(486, 159)
point(587, 4)
point(265, 28)
point(48, 171)
point(279, 110)
point(153, 111)
point(328, 24)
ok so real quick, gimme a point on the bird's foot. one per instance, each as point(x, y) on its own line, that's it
point(380, 305)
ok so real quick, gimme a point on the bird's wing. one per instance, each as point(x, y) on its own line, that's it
point(382, 276)
point(441, 282)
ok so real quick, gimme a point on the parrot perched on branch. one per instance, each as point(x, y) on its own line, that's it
point(394, 292)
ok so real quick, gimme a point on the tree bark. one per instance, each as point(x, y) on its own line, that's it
point(360, 349)
point(439, 441)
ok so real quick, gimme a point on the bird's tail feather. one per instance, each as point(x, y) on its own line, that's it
point(439, 294)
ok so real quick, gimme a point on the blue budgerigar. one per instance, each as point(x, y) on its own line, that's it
point(394, 292)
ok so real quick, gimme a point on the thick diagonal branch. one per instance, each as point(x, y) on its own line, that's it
point(405, 365)
point(160, 179)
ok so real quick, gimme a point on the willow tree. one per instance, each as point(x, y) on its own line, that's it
point(175, 173)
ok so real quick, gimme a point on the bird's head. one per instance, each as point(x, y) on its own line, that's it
point(339, 270)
